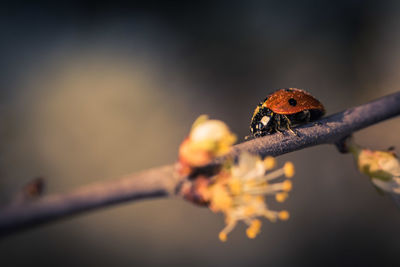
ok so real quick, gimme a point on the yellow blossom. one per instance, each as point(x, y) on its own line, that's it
point(239, 190)
point(239, 193)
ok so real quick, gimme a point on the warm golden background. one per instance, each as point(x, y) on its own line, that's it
point(93, 91)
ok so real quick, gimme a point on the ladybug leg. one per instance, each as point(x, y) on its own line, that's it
point(278, 125)
point(248, 137)
point(294, 132)
point(281, 124)
point(288, 124)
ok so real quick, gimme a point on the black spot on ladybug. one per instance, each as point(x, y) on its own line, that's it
point(288, 90)
point(292, 102)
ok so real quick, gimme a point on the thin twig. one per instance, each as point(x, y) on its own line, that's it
point(162, 181)
point(157, 182)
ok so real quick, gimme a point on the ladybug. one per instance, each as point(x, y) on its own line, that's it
point(283, 109)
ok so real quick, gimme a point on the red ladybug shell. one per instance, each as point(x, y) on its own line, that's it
point(278, 101)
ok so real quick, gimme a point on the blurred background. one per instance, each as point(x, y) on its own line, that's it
point(90, 91)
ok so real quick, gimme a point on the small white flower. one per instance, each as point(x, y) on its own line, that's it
point(212, 130)
point(383, 167)
point(207, 140)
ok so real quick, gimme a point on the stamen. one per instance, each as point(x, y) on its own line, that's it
point(270, 188)
point(281, 197)
point(269, 163)
point(287, 186)
point(273, 175)
point(270, 215)
point(222, 236)
point(283, 215)
point(228, 228)
point(288, 169)
point(254, 229)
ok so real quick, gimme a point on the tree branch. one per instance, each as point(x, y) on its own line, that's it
point(163, 181)
point(156, 182)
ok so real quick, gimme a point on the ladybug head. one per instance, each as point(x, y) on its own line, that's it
point(263, 122)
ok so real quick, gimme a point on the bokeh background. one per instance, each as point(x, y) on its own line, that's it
point(92, 91)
